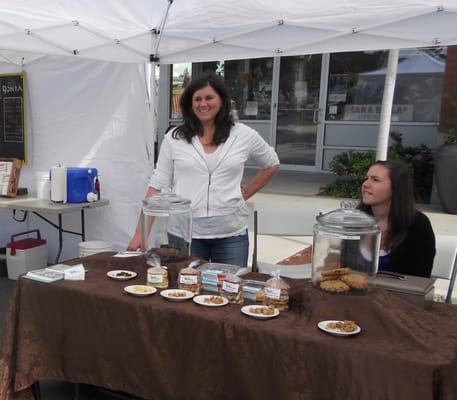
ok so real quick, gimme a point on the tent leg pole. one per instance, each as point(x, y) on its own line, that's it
point(386, 108)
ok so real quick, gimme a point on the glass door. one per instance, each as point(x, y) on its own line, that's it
point(298, 111)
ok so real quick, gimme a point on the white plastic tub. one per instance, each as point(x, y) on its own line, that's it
point(93, 247)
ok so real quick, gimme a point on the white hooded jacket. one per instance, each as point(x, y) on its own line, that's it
point(182, 168)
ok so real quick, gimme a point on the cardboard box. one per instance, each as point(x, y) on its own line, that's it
point(10, 171)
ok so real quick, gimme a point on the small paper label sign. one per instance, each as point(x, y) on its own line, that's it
point(75, 273)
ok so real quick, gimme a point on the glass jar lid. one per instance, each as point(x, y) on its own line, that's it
point(348, 220)
point(164, 203)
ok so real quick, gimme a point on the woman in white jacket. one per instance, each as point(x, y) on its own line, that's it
point(203, 160)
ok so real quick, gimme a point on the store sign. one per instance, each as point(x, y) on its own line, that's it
point(371, 112)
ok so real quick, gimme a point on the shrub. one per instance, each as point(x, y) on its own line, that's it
point(351, 167)
point(420, 160)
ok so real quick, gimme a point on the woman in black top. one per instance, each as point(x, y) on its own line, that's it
point(407, 238)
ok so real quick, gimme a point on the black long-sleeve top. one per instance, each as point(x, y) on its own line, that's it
point(415, 254)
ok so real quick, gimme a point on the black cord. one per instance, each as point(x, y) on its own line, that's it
point(23, 217)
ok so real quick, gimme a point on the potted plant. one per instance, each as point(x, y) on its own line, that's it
point(446, 171)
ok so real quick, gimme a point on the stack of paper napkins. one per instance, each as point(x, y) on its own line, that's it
point(57, 272)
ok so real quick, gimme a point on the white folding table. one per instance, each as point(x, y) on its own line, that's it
point(39, 207)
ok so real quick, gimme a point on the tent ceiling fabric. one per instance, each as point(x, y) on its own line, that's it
point(122, 30)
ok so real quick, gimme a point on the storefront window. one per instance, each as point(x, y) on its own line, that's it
point(356, 85)
point(249, 82)
point(349, 91)
point(180, 77)
point(419, 84)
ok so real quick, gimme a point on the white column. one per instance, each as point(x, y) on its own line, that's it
point(386, 108)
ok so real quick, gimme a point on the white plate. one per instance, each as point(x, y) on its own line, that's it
point(114, 274)
point(246, 310)
point(323, 326)
point(167, 294)
point(201, 300)
point(140, 290)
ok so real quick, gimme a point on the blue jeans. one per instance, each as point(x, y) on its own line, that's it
point(230, 250)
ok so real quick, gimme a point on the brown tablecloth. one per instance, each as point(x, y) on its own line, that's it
point(93, 332)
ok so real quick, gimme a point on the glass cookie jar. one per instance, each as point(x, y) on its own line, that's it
point(345, 251)
point(166, 227)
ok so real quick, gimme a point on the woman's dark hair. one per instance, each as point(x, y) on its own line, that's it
point(402, 205)
point(192, 125)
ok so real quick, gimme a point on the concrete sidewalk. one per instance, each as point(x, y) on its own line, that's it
point(291, 183)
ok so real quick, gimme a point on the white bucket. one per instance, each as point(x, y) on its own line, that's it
point(42, 185)
point(93, 247)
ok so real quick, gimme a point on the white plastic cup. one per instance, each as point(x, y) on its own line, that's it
point(43, 185)
point(93, 247)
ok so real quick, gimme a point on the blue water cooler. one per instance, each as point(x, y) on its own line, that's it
point(80, 182)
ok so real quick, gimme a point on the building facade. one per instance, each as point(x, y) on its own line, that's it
point(312, 107)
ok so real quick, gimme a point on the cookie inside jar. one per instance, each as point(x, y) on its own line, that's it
point(342, 280)
point(346, 252)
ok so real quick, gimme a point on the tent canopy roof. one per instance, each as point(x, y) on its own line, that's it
point(129, 31)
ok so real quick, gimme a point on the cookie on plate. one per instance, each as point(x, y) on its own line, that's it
point(355, 281)
point(334, 286)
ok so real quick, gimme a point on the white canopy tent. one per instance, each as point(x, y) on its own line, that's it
point(189, 30)
point(88, 103)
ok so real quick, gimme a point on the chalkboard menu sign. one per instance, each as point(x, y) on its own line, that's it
point(13, 135)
